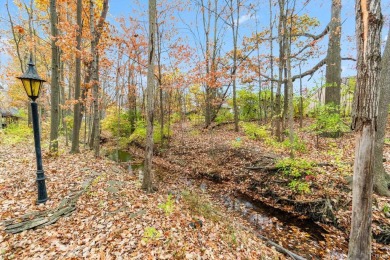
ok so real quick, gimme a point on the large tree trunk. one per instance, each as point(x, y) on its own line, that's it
point(364, 121)
point(147, 183)
point(333, 59)
point(54, 111)
point(77, 88)
point(381, 178)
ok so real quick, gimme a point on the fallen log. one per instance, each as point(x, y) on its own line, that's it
point(43, 218)
point(278, 247)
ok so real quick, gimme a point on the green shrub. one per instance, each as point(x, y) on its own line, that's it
point(175, 118)
point(298, 145)
point(139, 134)
point(224, 115)
point(296, 169)
point(117, 126)
point(15, 133)
point(328, 120)
point(254, 131)
point(299, 186)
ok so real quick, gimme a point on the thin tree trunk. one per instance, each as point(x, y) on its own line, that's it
point(290, 111)
point(300, 99)
point(62, 101)
point(364, 122)
point(235, 25)
point(77, 88)
point(271, 60)
point(281, 66)
point(54, 111)
point(147, 183)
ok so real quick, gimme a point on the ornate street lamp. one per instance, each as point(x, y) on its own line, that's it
point(32, 85)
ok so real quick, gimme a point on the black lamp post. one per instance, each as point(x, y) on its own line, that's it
point(32, 84)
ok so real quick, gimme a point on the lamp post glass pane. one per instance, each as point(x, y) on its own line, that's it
point(35, 86)
point(27, 86)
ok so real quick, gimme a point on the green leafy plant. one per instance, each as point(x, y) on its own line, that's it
point(295, 167)
point(299, 186)
point(168, 206)
point(386, 208)
point(151, 233)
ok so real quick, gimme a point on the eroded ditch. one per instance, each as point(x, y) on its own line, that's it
point(299, 235)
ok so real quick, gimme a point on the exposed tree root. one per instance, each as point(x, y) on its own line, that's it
point(383, 237)
point(47, 217)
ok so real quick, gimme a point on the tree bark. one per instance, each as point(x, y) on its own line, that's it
point(333, 59)
point(54, 98)
point(364, 122)
point(381, 178)
point(271, 26)
point(77, 88)
point(278, 104)
point(235, 25)
point(147, 183)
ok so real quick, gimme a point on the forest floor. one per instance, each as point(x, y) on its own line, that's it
point(113, 218)
point(232, 164)
point(206, 179)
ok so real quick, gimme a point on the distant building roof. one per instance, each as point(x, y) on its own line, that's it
point(9, 112)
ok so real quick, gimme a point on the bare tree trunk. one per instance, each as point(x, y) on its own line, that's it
point(300, 99)
point(281, 66)
point(54, 111)
point(290, 107)
point(62, 101)
point(381, 178)
point(333, 59)
point(364, 122)
point(271, 26)
point(132, 97)
point(77, 88)
point(147, 183)
point(235, 25)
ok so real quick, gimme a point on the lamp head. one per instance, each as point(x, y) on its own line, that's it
point(31, 81)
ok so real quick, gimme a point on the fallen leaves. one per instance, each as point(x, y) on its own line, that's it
point(111, 215)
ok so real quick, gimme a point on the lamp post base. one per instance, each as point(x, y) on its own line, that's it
point(42, 193)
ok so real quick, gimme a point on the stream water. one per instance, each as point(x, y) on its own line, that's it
point(299, 235)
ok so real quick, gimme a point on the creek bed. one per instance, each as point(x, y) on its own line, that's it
point(297, 234)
